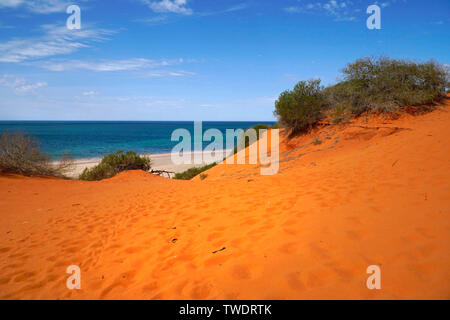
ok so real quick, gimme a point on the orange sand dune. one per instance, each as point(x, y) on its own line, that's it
point(374, 192)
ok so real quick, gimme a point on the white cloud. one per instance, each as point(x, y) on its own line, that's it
point(20, 85)
point(143, 68)
point(238, 7)
point(165, 18)
point(37, 6)
point(30, 87)
point(295, 9)
point(154, 20)
point(173, 6)
point(55, 41)
point(165, 73)
point(340, 10)
point(47, 6)
point(11, 3)
point(90, 93)
point(107, 65)
point(235, 8)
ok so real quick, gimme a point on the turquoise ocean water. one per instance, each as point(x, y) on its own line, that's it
point(91, 139)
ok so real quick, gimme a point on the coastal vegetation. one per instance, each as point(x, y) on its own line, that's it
point(256, 127)
point(20, 153)
point(114, 163)
point(192, 172)
point(369, 85)
point(301, 108)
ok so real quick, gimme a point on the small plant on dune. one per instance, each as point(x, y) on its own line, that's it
point(317, 142)
point(339, 114)
point(301, 108)
point(21, 153)
point(192, 172)
point(114, 163)
point(203, 176)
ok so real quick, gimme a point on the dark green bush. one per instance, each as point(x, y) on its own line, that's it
point(260, 126)
point(114, 163)
point(301, 108)
point(21, 154)
point(384, 84)
point(192, 172)
point(340, 113)
point(379, 85)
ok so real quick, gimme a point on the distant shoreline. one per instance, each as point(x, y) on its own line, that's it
point(88, 141)
point(160, 161)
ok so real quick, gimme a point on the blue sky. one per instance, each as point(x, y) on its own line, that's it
point(194, 59)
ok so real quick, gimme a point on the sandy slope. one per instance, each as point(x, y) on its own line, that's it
point(373, 192)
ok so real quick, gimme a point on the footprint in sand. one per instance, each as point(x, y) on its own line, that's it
point(293, 280)
point(201, 292)
point(241, 272)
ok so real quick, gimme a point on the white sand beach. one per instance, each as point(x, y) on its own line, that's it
point(161, 161)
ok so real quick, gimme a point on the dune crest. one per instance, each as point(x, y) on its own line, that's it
point(372, 192)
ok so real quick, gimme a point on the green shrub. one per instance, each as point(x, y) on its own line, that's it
point(340, 113)
point(21, 154)
point(378, 85)
point(301, 108)
point(192, 172)
point(203, 176)
point(114, 163)
point(382, 85)
point(260, 126)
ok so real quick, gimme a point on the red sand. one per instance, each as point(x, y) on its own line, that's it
point(372, 193)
